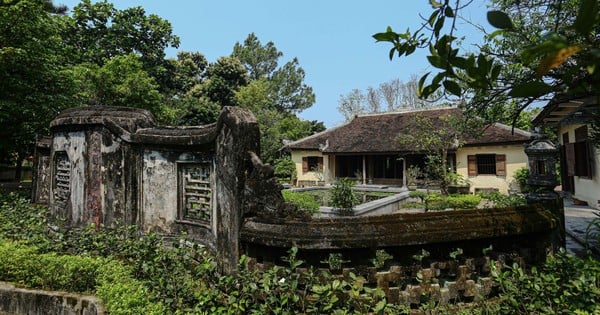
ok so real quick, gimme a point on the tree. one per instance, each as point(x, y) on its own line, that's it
point(260, 61)
point(435, 137)
point(373, 100)
point(98, 31)
point(223, 79)
point(351, 104)
point(540, 49)
point(121, 81)
point(391, 93)
point(287, 89)
point(34, 83)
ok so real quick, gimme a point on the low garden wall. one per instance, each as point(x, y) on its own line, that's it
point(529, 227)
point(37, 302)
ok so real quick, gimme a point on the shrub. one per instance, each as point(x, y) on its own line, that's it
point(499, 200)
point(521, 175)
point(20, 220)
point(343, 198)
point(463, 201)
point(110, 280)
point(303, 201)
point(563, 285)
point(285, 168)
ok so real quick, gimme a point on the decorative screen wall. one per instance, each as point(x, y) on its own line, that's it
point(195, 191)
point(62, 180)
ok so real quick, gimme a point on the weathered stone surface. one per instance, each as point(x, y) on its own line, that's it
point(238, 136)
point(399, 229)
point(109, 165)
point(38, 302)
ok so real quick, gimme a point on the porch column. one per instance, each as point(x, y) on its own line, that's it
point(364, 170)
point(404, 172)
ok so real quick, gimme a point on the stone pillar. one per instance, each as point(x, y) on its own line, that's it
point(237, 135)
point(542, 155)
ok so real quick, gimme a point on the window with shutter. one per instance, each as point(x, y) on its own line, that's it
point(486, 164)
point(583, 154)
point(472, 165)
point(312, 164)
point(570, 153)
point(500, 164)
point(304, 164)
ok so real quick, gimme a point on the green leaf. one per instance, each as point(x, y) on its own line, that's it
point(438, 26)
point(435, 4)
point(452, 87)
point(438, 78)
point(586, 17)
point(422, 81)
point(437, 61)
point(459, 62)
point(499, 19)
point(448, 12)
point(385, 37)
point(530, 89)
point(433, 17)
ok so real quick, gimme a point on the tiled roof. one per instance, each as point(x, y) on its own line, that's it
point(379, 133)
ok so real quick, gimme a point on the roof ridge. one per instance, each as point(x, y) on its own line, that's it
point(511, 128)
point(316, 134)
point(414, 110)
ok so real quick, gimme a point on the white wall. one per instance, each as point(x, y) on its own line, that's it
point(297, 156)
point(586, 189)
point(515, 159)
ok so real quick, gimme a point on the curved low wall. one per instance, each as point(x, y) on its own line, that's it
point(400, 229)
point(38, 302)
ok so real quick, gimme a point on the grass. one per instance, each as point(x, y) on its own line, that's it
point(323, 198)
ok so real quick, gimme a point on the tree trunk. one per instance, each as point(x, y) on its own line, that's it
point(19, 167)
point(444, 179)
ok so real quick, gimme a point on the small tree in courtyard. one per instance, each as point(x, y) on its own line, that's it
point(435, 139)
point(343, 198)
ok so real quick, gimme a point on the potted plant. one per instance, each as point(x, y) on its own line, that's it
point(412, 173)
point(457, 184)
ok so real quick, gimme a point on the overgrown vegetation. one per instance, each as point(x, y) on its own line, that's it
point(435, 201)
point(303, 201)
point(137, 274)
point(521, 175)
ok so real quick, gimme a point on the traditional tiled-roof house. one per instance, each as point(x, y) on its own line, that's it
point(368, 147)
point(571, 117)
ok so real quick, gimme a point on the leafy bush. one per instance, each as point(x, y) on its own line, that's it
point(343, 198)
point(285, 168)
point(521, 175)
point(110, 280)
point(303, 201)
point(435, 201)
point(563, 285)
point(20, 220)
point(499, 200)
point(463, 201)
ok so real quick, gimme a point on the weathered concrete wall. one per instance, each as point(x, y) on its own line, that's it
point(67, 195)
point(40, 190)
point(119, 181)
point(534, 225)
point(37, 302)
point(159, 192)
point(238, 135)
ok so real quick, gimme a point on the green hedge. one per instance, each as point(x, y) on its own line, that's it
point(303, 201)
point(110, 280)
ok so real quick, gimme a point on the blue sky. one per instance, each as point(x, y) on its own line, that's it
point(331, 38)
